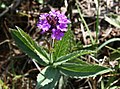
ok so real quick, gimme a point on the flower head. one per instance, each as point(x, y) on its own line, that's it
point(54, 22)
point(57, 34)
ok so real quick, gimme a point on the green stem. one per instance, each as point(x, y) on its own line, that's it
point(51, 51)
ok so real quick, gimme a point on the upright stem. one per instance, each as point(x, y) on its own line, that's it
point(53, 40)
point(51, 51)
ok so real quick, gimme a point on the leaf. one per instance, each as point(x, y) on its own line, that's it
point(82, 69)
point(48, 78)
point(16, 77)
point(42, 80)
point(40, 1)
point(71, 56)
point(27, 45)
point(2, 6)
point(113, 19)
point(36, 46)
point(61, 47)
point(114, 87)
point(107, 42)
point(53, 83)
point(111, 82)
point(3, 85)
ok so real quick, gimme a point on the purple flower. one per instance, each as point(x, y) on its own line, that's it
point(54, 22)
point(57, 34)
point(43, 23)
point(62, 27)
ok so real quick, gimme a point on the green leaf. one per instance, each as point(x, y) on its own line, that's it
point(40, 1)
point(113, 19)
point(53, 83)
point(26, 44)
point(81, 69)
point(115, 87)
point(61, 47)
point(48, 78)
point(41, 78)
point(2, 5)
point(111, 81)
point(107, 42)
point(71, 56)
point(3, 85)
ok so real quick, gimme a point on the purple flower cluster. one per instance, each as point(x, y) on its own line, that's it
point(54, 22)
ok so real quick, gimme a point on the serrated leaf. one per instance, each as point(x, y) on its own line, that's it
point(61, 47)
point(35, 46)
point(78, 61)
point(113, 19)
point(48, 78)
point(41, 79)
point(27, 45)
point(53, 83)
point(82, 70)
point(71, 56)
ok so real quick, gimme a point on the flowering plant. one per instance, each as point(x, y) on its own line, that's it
point(60, 61)
point(53, 22)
